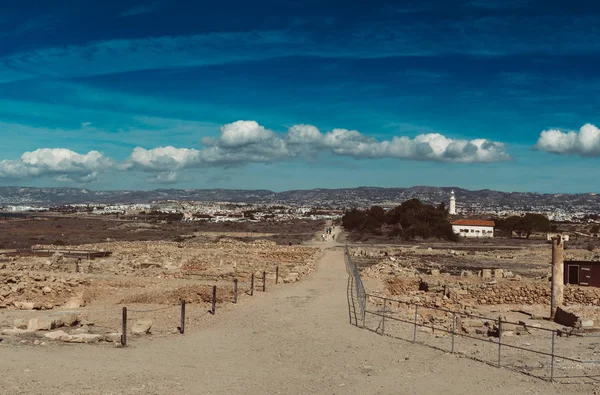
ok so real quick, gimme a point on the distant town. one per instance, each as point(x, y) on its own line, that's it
point(260, 205)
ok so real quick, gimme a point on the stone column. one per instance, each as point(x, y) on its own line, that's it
point(557, 275)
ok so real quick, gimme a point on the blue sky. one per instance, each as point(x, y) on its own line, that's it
point(300, 94)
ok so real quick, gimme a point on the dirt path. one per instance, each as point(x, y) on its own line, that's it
point(295, 339)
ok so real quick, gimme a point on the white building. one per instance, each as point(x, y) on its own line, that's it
point(452, 210)
point(473, 228)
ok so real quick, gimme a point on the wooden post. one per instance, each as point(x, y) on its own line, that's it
point(214, 300)
point(556, 298)
point(264, 281)
point(182, 327)
point(277, 274)
point(252, 285)
point(124, 328)
point(235, 290)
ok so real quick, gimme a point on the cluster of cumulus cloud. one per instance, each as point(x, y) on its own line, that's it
point(244, 142)
point(61, 163)
point(586, 142)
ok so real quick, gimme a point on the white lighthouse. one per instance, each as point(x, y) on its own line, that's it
point(452, 210)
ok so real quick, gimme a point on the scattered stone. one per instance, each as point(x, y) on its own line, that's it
point(15, 332)
point(73, 303)
point(20, 323)
point(84, 338)
point(485, 273)
point(57, 335)
point(113, 337)
point(41, 324)
point(141, 327)
point(434, 272)
point(24, 305)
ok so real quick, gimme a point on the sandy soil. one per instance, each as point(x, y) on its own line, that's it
point(296, 339)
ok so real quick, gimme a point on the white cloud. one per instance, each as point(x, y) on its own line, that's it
point(65, 165)
point(141, 9)
point(586, 142)
point(243, 133)
point(244, 142)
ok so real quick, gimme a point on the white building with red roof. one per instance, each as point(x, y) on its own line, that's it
point(474, 228)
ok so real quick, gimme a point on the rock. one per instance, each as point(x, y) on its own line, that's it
point(481, 331)
point(24, 305)
point(565, 317)
point(291, 278)
point(79, 331)
point(36, 342)
point(73, 303)
point(113, 337)
point(15, 332)
point(425, 329)
point(466, 273)
point(141, 327)
point(84, 338)
point(67, 320)
point(498, 273)
point(587, 323)
point(20, 323)
point(485, 273)
point(434, 272)
point(57, 335)
point(41, 324)
point(46, 290)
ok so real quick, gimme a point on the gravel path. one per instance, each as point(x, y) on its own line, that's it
point(295, 339)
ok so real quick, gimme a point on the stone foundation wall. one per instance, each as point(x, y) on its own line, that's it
point(448, 291)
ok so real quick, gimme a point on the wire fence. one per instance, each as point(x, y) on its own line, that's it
point(525, 347)
point(116, 323)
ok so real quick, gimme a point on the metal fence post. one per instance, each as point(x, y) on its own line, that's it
point(252, 285)
point(383, 319)
point(415, 328)
point(453, 329)
point(182, 327)
point(552, 363)
point(235, 290)
point(277, 274)
point(264, 281)
point(499, 341)
point(124, 328)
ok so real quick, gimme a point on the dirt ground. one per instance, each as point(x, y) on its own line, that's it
point(75, 230)
point(296, 339)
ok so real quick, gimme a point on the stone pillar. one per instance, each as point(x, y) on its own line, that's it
point(557, 275)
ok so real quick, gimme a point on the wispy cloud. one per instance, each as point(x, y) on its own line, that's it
point(141, 9)
point(490, 36)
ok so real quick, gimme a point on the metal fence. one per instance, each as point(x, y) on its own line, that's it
point(519, 346)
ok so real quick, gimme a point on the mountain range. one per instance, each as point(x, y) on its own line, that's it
point(362, 196)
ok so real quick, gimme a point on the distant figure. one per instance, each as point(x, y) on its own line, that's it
point(332, 237)
point(323, 236)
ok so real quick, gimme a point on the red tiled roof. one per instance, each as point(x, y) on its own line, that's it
point(473, 222)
